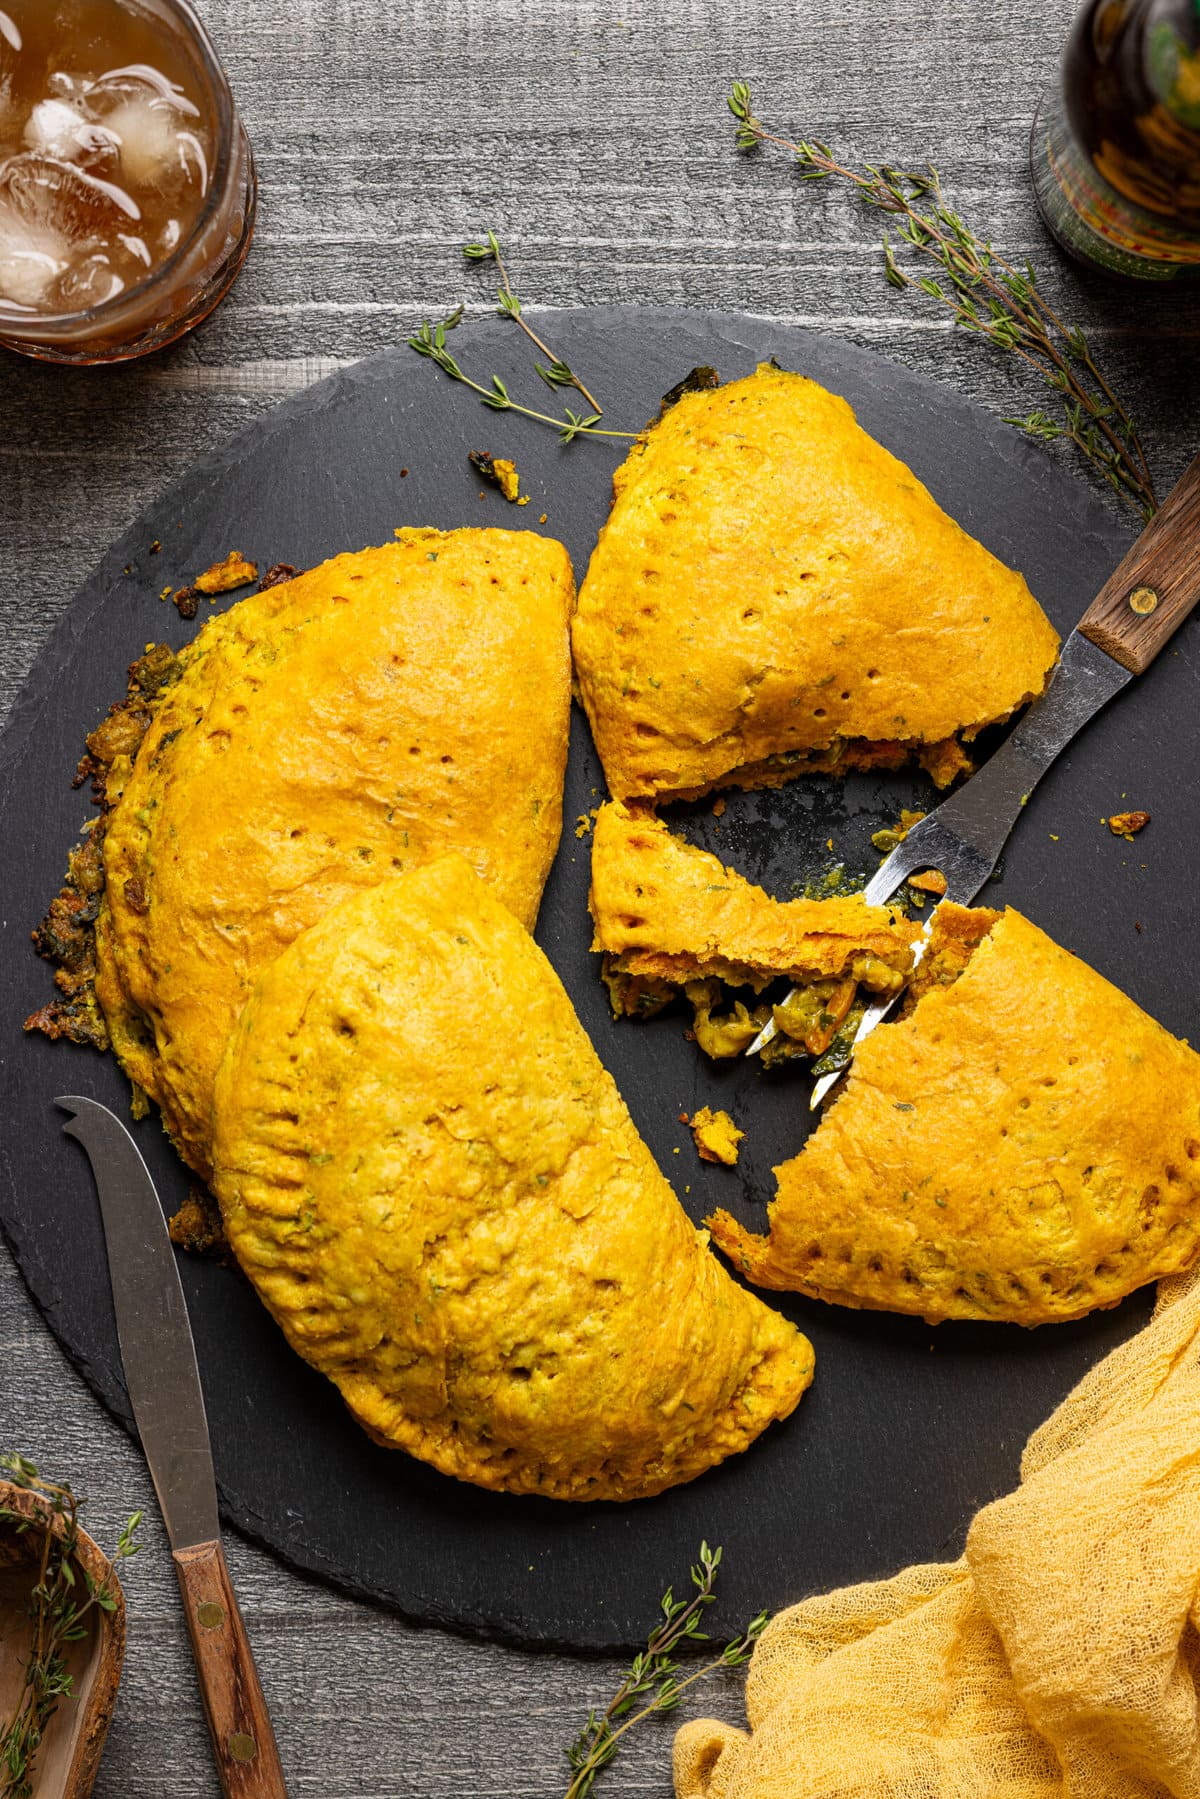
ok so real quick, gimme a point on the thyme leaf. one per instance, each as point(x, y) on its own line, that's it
point(430, 341)
point(558, 375)
point(985, 294)
point(653, 1682)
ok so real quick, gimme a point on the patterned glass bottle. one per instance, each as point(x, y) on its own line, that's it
point(1116, 144)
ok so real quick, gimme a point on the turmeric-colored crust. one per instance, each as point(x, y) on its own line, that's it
point(437, 1190)
point(716, 1136)
point(1025, 1145)
point(772, 583)
point(384, 708)
point(664, 908)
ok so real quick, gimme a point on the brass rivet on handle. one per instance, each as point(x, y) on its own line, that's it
point(1143, 600)
point(241, 1747)
point(210, 1614)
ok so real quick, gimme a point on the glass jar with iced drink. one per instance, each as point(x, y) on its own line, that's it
point(126, 179)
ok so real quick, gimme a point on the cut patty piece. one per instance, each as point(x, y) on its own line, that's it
point(384, 708)
point(671, 917)
point(775, 593)
point(437, 1190)
point(1024, 1145)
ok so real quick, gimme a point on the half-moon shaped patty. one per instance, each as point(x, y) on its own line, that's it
point(436, 1189)
point(774, 592)
point(664, 908)
point(1024, 1145)
point(386, 707)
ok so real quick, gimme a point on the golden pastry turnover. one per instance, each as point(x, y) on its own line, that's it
point(384, 708)
point(1023, 1145)
point(438, 1192)
point(774, 593)
point(671, 918)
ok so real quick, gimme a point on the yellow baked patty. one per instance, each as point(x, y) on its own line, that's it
point(774, 592)
point(386, 707)
point(1024, 1145)
point(436, 1189)
point(671, 916)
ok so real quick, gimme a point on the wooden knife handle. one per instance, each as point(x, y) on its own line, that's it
point(1155, 587)
point(242, 1738)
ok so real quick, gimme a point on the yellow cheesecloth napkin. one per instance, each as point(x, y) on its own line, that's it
point(1059, 1658)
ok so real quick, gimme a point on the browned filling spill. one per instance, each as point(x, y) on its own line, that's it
point(816, 1019)
point(943, 762)
point(67, 934)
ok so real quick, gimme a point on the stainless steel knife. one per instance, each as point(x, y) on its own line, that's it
point(1138, 609)
point(163, 1382)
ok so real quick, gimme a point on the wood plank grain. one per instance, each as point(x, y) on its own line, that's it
point(592, 135)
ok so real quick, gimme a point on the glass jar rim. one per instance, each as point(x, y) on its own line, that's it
point(108, 314)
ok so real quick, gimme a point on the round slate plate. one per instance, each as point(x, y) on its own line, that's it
point(907, 1430)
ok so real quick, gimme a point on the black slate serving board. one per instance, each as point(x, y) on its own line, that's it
point(907, 1429)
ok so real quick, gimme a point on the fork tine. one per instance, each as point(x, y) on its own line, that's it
point(895, 869)
point(875, 1014)
point(907, 857)
point(963, 836)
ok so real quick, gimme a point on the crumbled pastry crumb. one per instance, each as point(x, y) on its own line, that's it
point(931, 881)
point(507, 478)
point(197, 1225)
point(716, 1136)
point(719, 806)
point(1125, 824)
point(224, 576)
point(499, 471)
point(277, 576)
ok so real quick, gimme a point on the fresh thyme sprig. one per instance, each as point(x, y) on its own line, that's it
point(654, 1671)
point(57, 1612)
point(987, 295)
point(557, 374)
point(430, 341)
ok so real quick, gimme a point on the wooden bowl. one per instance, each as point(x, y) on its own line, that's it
point(69, 1756)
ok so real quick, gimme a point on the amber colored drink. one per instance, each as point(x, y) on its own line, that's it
point(126, 179)
point(1116, 149)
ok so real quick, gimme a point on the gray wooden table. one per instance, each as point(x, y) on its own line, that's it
point(592, 136)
